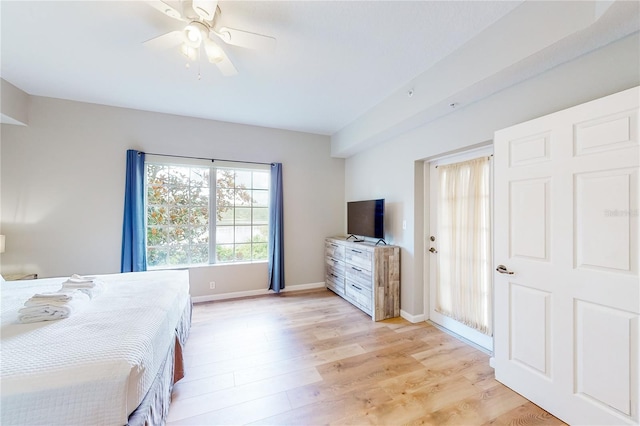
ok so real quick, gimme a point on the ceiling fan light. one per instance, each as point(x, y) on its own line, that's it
point(189, 51)
point(214, 52)
point(193, 35)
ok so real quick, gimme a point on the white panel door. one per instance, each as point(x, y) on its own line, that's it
point(566, 189)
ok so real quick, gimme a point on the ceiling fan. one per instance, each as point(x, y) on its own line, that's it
point(202, 30)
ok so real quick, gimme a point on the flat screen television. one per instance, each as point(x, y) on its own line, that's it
point(365, 218)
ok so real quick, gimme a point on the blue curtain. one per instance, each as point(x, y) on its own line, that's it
point(276, 230)
point(134, 253)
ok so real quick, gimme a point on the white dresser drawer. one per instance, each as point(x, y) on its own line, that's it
point(358, 275)
point(334, 250)
point(360, 296)
point(334, 275)
point(334, 267)
point(358, 257)
point(335, 284)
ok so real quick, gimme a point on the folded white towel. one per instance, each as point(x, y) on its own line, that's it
point(70, 296)
point(78, 281)
point(80, 278)
point(35, 312)
point(42, 315)
point(54, 296)
point(72, 285)
point(94, 290)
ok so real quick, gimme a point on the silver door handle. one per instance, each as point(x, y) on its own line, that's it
point(503, 270)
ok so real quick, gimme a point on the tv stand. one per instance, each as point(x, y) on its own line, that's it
point(355, 239)
point(364, 274)
point(381, 241)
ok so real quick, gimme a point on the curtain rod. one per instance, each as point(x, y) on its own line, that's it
point(488, 158)
point(213, 160)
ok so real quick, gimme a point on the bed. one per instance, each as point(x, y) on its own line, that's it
point(113, 362)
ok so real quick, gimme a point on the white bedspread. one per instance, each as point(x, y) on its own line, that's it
point(94, 367)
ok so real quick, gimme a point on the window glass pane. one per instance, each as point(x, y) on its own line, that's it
point(243, 234)
point(225, 217)
point(261, 180)
point(199, 196)
point(243, 216)
point(199, 216)
point(156, 256)
point(156, 236)
point(156, 194)
point(178, 215)
point(157, 174)
point(243, 252)
point(178, 195)
point(156, 215)
point(224, 178)
point(243, 179)
point(179, 176)
point(243, 197)
point(179, 234)
point(199, 254)
point(260, 234)
point(200, 176)
point(200, 235)
point(260, 198)
point(224, 252)
point(224, 234)
point(178, 255)
point(225, 198)
point(260, 251)
point(260, 216)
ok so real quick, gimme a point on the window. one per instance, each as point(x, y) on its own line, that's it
point(242, 214)
point(200, 214)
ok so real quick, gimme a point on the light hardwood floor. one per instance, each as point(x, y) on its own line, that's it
point(310, 358)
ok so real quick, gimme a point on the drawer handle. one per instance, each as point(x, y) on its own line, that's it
point(334, 245)
point(333, 275)
point(356, 269)
point(334, 260)
point(356, 251)
point(353, 285)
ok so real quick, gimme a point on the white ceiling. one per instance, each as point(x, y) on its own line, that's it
point(334, 61)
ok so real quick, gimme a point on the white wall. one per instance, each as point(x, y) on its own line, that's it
point(390, 171)
point(63, 189)
point(14, 104)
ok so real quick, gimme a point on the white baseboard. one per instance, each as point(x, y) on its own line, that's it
point(249, 293)
point(412, 318)
point(463, 339)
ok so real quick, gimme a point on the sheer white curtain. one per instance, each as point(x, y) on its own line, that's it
point(463, 289)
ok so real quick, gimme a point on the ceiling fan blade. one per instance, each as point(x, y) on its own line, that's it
point(217, 56)
point(226, 66)
point(166, 41)
point(246, 39)
point(171, 8)
point(214, 52)
point(206, 9)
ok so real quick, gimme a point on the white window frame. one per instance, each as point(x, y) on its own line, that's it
point(213, 167)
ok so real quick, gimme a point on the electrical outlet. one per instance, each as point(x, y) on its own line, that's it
point(212, 285)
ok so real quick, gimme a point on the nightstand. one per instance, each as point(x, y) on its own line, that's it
point(16, 277)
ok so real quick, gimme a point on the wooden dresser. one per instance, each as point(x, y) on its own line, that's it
point(366, 275)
